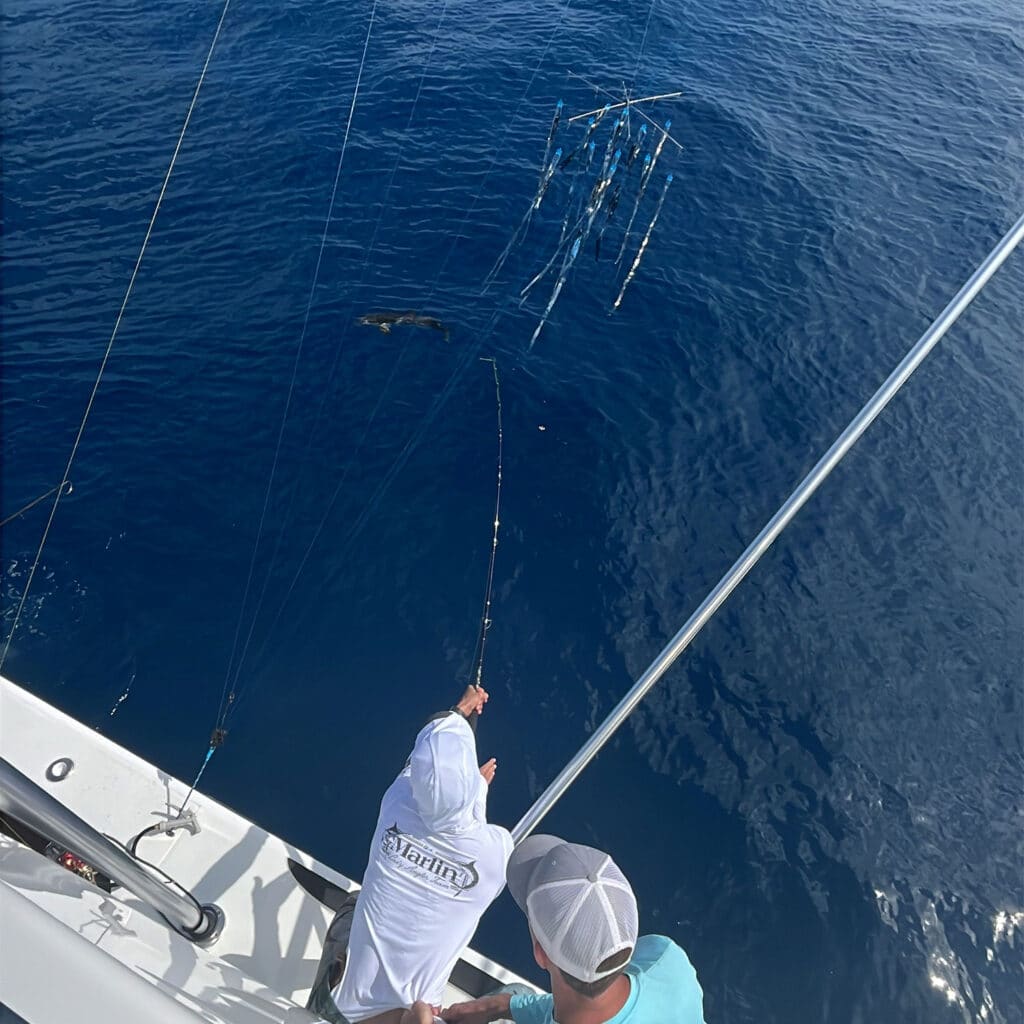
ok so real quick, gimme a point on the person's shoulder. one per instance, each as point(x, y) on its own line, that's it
point(668, 974)
point(499, 840)
point(532, 1009)
point(658, 954)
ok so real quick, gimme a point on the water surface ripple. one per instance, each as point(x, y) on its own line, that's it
point(822, 801)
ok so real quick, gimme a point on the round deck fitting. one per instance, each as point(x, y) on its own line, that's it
point(60, 769)
point(208, 932)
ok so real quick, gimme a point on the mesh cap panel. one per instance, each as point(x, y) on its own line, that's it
point(581, 909)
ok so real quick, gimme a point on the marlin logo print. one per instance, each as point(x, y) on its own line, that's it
point(407, 851)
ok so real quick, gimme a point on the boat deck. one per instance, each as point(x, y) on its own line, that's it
point(65, 938)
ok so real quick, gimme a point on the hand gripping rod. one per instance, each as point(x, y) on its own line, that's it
point(760, 544)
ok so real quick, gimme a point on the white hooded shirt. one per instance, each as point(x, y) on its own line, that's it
point(435, 865)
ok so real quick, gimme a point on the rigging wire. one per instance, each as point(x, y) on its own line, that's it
point(643, 44)
point(485, 617)
point(228, 702)
point(226, 695)
point(471, 350)
point(113, 335)
point(501, 142)
point(329, 380)
point(462, 364)
point(326, 514)
point(35, 501)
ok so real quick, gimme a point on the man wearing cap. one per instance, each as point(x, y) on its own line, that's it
point(583, 921)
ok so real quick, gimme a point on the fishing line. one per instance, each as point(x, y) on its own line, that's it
point(472, 350)
point(228, 700)
point(327, 511)
point(524, 294)
point(346, 544)
point(405, 133)
point(337, 355)
point(494, 159)
point(113, 335)
point(35, 501)
point(643, 41)
point(225, 696)
point(376, 230)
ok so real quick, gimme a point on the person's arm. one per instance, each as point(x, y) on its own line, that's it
point(523, 1009)
point(470, 705)
point(479, 1011)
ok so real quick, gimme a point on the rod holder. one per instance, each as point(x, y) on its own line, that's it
point(27, 802)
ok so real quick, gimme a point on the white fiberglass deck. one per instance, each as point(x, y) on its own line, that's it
point(71, 952)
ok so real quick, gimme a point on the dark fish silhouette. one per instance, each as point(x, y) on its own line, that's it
point(385, 321)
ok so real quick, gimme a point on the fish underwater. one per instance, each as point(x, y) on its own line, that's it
point(385, 321)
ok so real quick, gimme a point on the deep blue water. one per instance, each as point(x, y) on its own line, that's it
point(822, 801)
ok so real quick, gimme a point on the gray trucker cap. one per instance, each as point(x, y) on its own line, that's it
point(580, 907)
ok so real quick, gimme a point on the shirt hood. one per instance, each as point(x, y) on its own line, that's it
point(449, 791)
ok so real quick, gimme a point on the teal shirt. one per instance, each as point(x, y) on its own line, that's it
point(663, 990)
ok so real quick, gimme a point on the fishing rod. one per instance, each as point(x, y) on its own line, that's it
point(485, 615)
point(763, 541)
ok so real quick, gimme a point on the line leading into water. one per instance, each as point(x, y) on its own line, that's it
point(113, 335)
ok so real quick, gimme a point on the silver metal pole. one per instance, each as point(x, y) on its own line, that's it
point(775, 526)
point(28, 803)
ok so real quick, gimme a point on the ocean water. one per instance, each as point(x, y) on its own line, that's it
point(822, 801)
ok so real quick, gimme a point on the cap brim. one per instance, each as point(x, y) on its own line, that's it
point(525, 858)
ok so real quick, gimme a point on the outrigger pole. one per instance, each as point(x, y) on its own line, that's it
point(771, 531)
